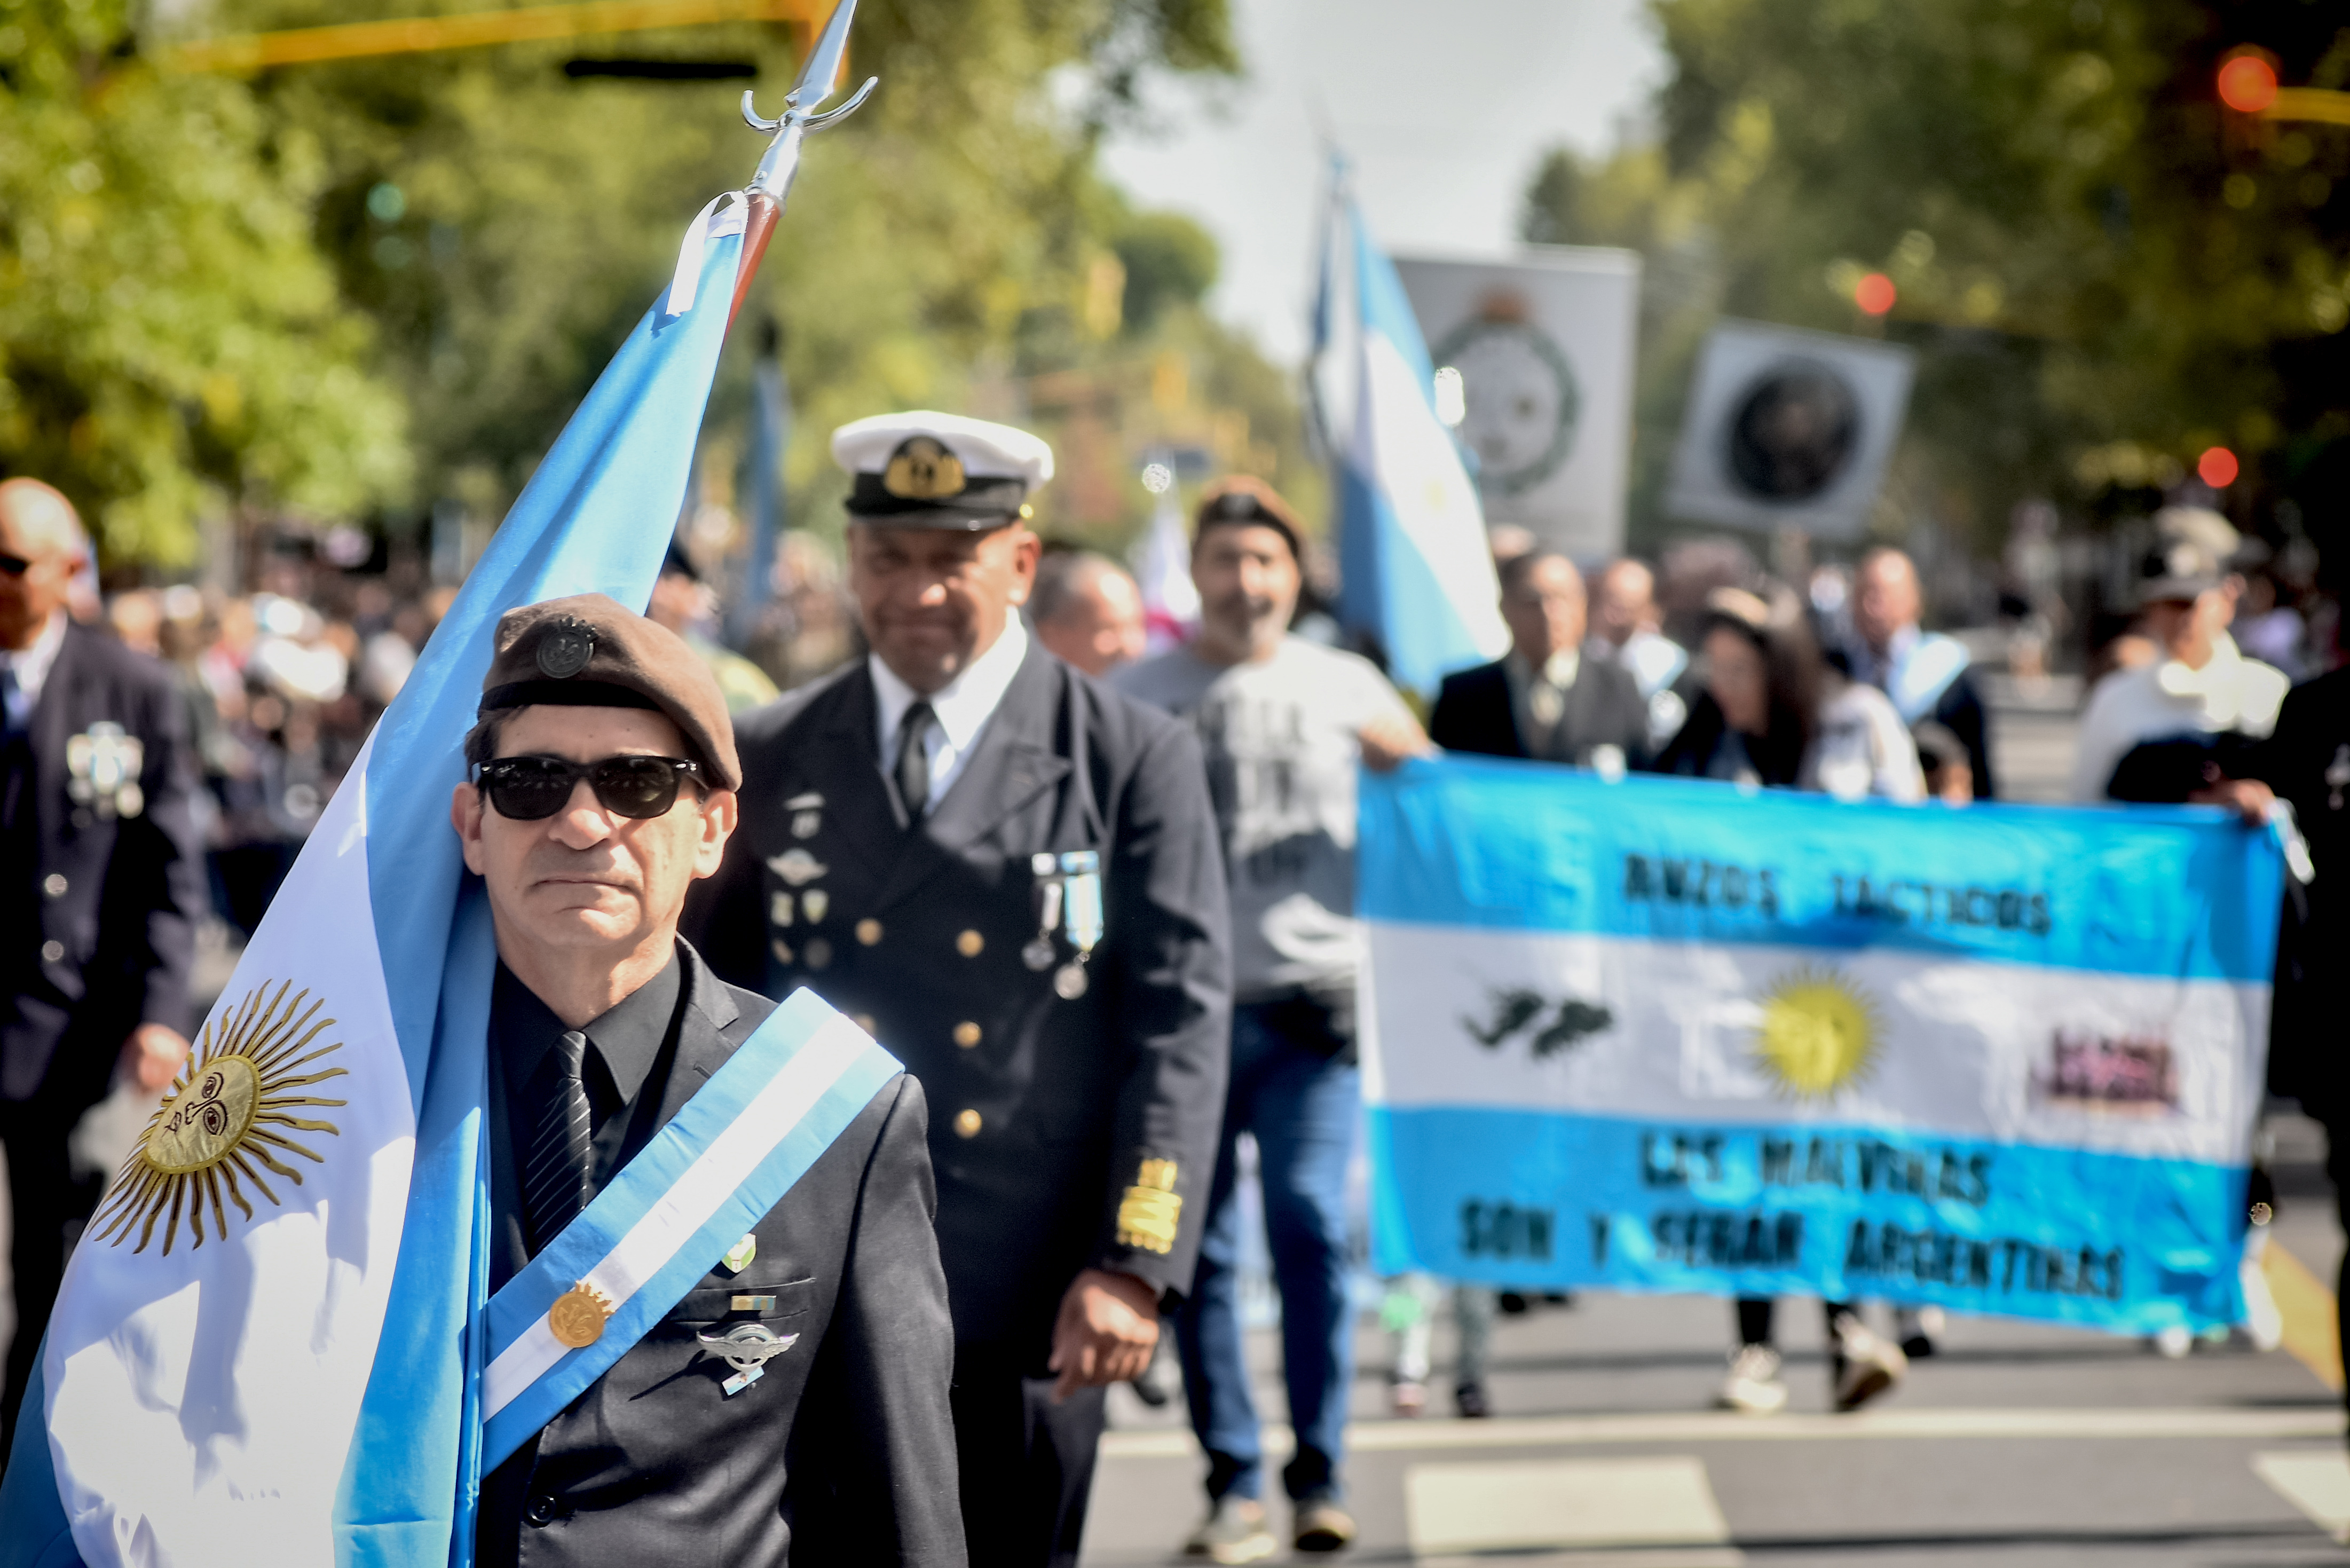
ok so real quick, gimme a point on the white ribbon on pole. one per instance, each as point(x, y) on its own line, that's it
point(708, 224)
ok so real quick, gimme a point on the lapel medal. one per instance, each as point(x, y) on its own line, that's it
point(747, 1348)
point(1046, 867)
point(796, 867)
point(806, 814)
point(738, 1256)
point(815, 901)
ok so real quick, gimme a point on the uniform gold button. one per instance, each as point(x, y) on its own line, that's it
point(864, 1021)
point(967, 1123)
point(54, 952)
point(868, 930)
point(966, 1035)
point(970, 943)
point(54, 885)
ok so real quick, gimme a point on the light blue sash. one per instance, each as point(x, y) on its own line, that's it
point(702, 1183)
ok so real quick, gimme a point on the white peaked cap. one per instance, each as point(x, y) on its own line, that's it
point(986, 450)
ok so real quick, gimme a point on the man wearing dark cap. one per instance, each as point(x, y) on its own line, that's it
point(603, 784)
point(2165, 730)
point(1286, 724)
point(1012, 872)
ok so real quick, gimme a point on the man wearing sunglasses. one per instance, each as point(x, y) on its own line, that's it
point(1014, 872)
point(101, 887)
point(603, 784)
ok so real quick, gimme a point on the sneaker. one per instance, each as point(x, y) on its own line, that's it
point(1407, 1397)
point(1865, 1364)
point(1234, 1532)
point(1322, 1524)
point(1470, 1401)
point(1917, 1327)
point(1754, 1385)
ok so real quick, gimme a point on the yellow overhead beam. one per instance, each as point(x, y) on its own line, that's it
point(2310, 103)
point(476, 30)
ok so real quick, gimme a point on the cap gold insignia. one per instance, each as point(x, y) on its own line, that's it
point(1149, 1211)
point(922, 470)
point(229, 1112)
point(578, 1315)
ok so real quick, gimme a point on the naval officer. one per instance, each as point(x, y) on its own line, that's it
point(1014, 872)
point(101, 887)
point(603, 784)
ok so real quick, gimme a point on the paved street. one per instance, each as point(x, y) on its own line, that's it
point(2020, 1445)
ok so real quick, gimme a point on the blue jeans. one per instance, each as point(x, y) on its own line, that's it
point(1302, 1107)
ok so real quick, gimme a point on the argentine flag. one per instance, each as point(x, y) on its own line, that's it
point(1415, 571)
point(265, 1346)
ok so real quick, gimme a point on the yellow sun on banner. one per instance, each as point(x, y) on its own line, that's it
point(221, 1121)
point(1819, 1034)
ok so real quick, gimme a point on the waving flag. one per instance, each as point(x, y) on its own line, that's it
point(1170, 600)
point(266, 1346)
point(1663, 1034)
point(1416, 574)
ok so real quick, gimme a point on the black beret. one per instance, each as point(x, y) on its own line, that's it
point(588, 651)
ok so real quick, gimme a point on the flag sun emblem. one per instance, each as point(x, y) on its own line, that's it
point(1819, 1034)
point(223, 1120)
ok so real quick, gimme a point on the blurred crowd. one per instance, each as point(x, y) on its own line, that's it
point(282, 685)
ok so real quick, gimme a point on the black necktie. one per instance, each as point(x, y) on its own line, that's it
point(555, 1172)
point(914, 768)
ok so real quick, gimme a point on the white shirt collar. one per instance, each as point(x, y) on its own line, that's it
point(963, 705)
point(31, 665)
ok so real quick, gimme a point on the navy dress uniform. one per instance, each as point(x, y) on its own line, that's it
point(102, 882)
point(1041, 938)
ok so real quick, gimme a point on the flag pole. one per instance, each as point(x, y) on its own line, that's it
point(772, 185)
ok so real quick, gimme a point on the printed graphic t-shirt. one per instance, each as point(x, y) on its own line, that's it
point(1281, 763)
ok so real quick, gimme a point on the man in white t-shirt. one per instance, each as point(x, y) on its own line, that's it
point(1284, 724)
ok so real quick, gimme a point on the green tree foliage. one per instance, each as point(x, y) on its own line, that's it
point(2104, 271)
point(508, 224)
point(170, 342)
point(1169, 259)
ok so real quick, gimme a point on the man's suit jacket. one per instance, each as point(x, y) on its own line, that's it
point(1476, 711)
point(102, 888)
point(1046, 1112)
point(843, 1451)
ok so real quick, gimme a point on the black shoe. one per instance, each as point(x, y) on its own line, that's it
point(1470, 1401)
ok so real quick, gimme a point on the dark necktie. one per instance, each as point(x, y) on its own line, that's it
point(14, 711)
point(555, 1172)
point(914, 768)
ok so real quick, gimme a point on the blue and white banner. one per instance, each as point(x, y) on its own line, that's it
point(268, 1344)
point(1666, 1035)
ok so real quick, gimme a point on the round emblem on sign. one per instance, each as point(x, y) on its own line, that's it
point(1794, 431)
point(564, 648)
point(577, 1317)
point(225, 1122)
point(1521, 399)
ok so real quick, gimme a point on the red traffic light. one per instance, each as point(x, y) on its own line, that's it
point(2247, 84)
point(1875, 293)
point(2218, 467)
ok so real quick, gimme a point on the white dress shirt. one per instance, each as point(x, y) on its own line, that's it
point(963, 706)
point(31, 665)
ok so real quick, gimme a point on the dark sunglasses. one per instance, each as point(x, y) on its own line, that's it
point(531, 789)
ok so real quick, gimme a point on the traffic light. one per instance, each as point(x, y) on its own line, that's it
point(2248, 82)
